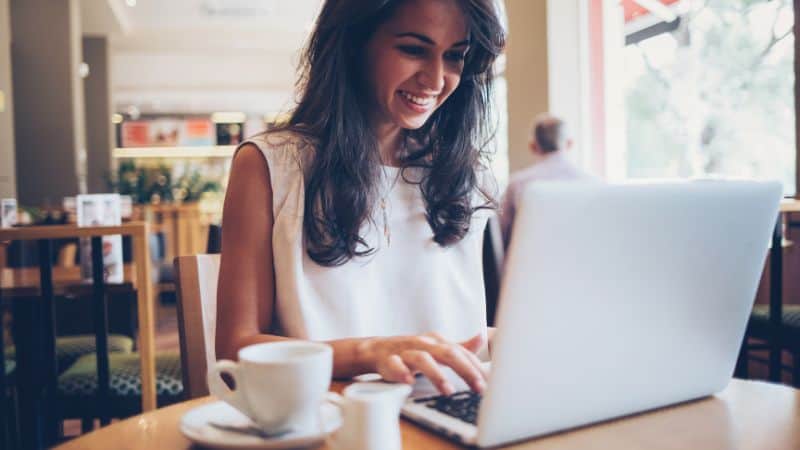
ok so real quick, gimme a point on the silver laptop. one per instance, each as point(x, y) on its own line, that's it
point(615, 299)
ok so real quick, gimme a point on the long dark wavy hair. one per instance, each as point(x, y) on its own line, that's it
point(343, 179)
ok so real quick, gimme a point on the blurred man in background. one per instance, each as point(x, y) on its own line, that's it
point(550, 140)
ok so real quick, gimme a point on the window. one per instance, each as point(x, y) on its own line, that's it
point(711, 92)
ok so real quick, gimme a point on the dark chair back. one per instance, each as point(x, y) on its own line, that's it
point(214, 244)
point(73, 311)
point(493, 255)
point(22, 254)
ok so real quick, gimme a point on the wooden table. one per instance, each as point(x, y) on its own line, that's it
point(748, 415)
point(789, 205)
point(141, 257)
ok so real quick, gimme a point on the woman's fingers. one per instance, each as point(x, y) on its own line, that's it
point(426, 354)
point(392, 368)
point(461, 358)
point(436, 336)
point(471, 347)
point(456, 358)
point(474, 344)
point(422, 361)
point(477, 363)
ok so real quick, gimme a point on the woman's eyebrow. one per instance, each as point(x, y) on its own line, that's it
point(417, 36)
point(428, 40)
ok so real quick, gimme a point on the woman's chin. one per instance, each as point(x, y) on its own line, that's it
point(413, 123)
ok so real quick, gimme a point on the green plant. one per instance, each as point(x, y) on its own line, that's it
point(191, 186)
point(155, 184)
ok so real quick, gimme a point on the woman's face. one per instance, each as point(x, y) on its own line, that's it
point(414, 61)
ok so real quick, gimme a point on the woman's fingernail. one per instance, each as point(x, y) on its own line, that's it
point(448, 388)
point(480, 385)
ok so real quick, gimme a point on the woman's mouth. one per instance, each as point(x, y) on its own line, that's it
point(417, 103)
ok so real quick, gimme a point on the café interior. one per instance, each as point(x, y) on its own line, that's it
point(119, 120)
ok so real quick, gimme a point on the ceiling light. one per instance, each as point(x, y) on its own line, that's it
point(116, 118)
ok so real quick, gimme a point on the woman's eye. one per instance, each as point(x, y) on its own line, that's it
point(455, 56)
point(412, 50)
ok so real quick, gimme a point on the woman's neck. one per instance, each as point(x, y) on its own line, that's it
point(390, 143)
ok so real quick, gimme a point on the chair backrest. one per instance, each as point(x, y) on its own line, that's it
point(214, 242)
point(197, 315)
point(493, 256)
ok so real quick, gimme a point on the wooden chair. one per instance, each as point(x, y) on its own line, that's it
point(113, 391)
point(787, 334)
point(197, 313)
point(779, 332)
point(38, 384)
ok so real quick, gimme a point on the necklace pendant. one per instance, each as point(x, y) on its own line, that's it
point(386, 232)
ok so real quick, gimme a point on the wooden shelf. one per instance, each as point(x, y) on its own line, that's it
point(217, 151)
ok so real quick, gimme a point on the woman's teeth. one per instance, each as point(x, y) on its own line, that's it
point(420, 101)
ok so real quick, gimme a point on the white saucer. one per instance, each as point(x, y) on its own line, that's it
point(195, 426)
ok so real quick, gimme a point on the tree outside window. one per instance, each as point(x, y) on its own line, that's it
point(714, 93)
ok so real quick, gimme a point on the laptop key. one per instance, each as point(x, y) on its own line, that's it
point(461, 405)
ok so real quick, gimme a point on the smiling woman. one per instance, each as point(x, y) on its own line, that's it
point(377, 59)
point(359, 220)
point(413, 73)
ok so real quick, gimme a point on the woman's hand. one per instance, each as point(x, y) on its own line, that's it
point(399, 358)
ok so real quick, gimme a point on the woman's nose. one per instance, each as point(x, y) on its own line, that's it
point(431, 77)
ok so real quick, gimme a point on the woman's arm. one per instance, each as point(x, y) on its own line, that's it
point(246, 295)
point(246, 287)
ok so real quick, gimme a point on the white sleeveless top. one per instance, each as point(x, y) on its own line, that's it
point(409, 285)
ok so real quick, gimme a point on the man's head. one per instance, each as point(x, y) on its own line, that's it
point(549, 135)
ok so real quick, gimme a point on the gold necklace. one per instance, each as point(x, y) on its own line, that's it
point(383, 203)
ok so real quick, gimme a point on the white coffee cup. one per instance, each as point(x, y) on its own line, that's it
point(279, 385)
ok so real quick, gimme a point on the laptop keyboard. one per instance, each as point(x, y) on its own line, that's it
point(461, 405)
